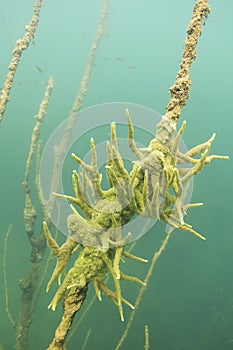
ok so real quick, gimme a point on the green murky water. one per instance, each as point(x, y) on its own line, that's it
point(189, 300)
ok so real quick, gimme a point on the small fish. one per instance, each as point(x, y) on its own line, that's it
point(39, 69)
point(132, 67)
point(119, 59)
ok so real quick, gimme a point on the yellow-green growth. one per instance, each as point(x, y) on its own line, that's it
point(156, 188)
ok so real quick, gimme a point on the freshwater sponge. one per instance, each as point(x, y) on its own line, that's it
point(156, 188)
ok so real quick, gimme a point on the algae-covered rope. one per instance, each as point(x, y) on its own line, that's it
point(180, 90)
point(71, 305)
point(21, 44)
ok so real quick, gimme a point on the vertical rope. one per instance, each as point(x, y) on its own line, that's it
point(180, 90)
point(21, 44)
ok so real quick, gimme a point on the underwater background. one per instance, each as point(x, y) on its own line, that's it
point(188, 303)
